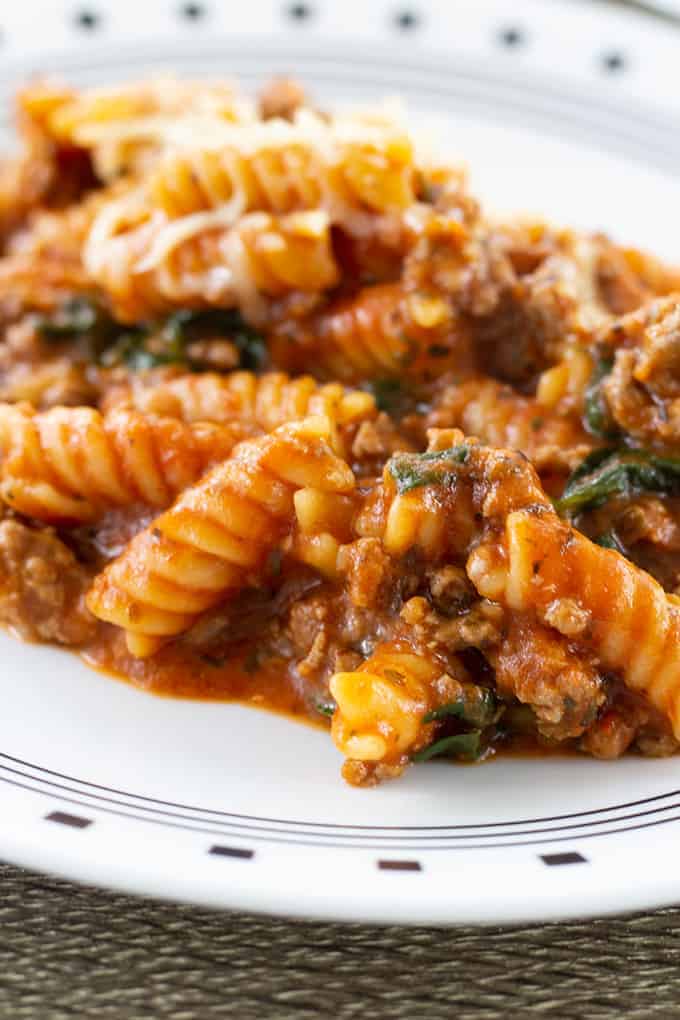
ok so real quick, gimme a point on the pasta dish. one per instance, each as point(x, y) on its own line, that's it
point(286, 418)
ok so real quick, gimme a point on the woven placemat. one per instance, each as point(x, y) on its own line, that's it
point(68, 951)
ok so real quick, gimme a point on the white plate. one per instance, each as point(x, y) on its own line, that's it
point(565, 108)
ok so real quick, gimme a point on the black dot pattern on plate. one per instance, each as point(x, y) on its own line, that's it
point(614, 62)
point(299, 12)
point(192, 12)
point(570, 857)
point(393, 865)
point(87, 19)
point(72, 821)
point(232, 851)
point(511, 36)
point(407, 20)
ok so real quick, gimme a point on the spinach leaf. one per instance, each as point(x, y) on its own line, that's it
point(462, 745)
point(388, 393)
point(608, 473)
point(226, 324)
point(610, 540)
point(478, 709)
point(326, 708)
point(77, 315)
point(169, 343)
point(596, 414)
point(83, 320)
point(412, 470)
point(131, 349)
point(452, 708)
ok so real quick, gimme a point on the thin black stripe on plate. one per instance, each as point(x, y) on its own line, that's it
point(553, 860)
point(62, 818)
point(388, 865)
point(231, 851)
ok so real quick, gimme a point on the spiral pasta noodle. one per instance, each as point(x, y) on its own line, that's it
point(436, 501)
point(125, 128)
point(383, 332)
point(68, 465)
point(302, 419)
point(382, 704)
point(633, 625)
point(216, 537)
point(267, 400)
point(345, 168)
point(146, 271)
point(498, 416)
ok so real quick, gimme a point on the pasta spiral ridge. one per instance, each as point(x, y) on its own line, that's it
point(634, 626)
point(382, 704)
point(500, 417)
point(68, 465)
point(267, 400)
point(148, 267)
point(281, 167)
point(217, 536)
point(382, 332)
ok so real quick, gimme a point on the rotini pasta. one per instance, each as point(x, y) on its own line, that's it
point(632, 624)
point(390, 708)
point(345, 168)
point(71, 464)
point(501, 417)
point(124, 127)
point(383, 332)
point(382, 705)
point(146, 271)
point(216, 537)
point(287, 417)
point(267, 400)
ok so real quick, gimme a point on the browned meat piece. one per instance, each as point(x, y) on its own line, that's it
point(366, 567)
point(30, 371)
point(540, 668)
point(629, 721)
point(42, 587)
point(643, 388)
point(479, 626)
point(542, 314)
point(281, 97)
point(467, 265)
point(609, 737)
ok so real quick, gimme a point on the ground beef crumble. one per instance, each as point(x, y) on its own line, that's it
point(42, 586)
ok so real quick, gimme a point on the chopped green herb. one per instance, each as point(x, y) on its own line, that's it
point(168, 343)
point(479, 709)
point(412, 471)
point(462, 745)
point(228, 324)
point(388, 393)
point(249, 343)
point(131, 349)
point(596, 414)
point(326, 708)
point(452, 708)
point(77, 315)
point(610, 540)
point(607, 473)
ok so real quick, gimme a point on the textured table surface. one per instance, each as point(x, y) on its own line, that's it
point(67, 951)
